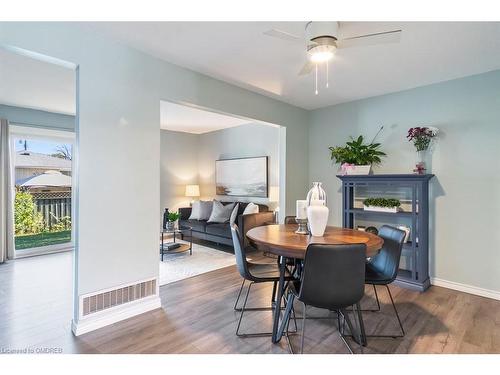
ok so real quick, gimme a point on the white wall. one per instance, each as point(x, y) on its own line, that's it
point(190, 159)
point(118, 143)
point(465, 204)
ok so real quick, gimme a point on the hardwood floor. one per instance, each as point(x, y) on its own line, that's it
point(197, 317)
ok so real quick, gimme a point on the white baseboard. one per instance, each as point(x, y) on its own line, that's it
point(493, 294)
point(115, 314)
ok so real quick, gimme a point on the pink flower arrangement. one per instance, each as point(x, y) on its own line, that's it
point(421, 136)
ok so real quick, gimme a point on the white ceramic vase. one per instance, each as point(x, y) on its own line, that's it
point(316, 193)
point(317, 217)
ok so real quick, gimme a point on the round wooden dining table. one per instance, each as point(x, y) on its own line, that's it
point(283, 241)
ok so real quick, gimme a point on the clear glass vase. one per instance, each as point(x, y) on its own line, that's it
point(421, 162)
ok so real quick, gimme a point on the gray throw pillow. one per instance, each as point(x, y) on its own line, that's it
point(220, 213)
point(195, 211)
point(234, 214)
point(205, 210)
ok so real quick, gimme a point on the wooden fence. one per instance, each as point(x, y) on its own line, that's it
point(58, 205)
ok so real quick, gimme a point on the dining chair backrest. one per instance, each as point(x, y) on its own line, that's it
point(333, 275)
point(290, 220)
point(239, 252)
point(386, 262)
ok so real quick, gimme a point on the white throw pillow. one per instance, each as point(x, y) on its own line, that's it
point(251, 208)
point(234, 214)
point(195, 211)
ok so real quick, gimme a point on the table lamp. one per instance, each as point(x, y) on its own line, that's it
point(192, 191)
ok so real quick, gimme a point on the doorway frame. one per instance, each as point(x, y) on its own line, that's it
point(42, 133)
point(75, 195)
point(282, 147)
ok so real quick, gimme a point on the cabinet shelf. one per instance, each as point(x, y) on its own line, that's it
point(376, 213)
point(415, 188)
point(409, 245)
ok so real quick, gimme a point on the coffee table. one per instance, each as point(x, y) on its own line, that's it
point(175, 234)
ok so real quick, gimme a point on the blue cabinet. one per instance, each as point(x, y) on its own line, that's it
point(413, 191)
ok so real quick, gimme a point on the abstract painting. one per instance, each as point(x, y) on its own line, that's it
point(245, 177)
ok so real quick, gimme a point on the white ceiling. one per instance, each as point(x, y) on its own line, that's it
point(239, 53)
point(193, 120)
point(30, 83)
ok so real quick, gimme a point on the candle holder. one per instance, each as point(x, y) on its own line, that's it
point(302, 229)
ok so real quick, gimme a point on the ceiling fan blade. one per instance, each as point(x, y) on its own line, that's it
point(393, 36)
point(283, 35)
point(306, 69)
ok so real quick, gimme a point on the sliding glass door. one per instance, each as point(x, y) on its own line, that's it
point(43, 190)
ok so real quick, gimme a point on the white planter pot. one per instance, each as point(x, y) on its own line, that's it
point(317, 216)
point(358, 169)
point(380, 209)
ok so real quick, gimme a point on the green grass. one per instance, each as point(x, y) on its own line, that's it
point(42, 239)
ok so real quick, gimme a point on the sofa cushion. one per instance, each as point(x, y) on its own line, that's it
point(217, 229)
point(234, 215)
point(205, 210)
point(251, 208)
point(195, 211)
point(243, 205)
point(197, 225)
point(220, 212)
point(201, 210)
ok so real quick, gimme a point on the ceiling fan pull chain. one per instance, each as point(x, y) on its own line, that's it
point(316, 67)
point(327, 75)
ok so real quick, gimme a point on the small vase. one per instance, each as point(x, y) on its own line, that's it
point(317, 217)
point(420, 165)
point(316, 193)
point(170, 225)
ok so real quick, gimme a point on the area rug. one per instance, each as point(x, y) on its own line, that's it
point(181, 266)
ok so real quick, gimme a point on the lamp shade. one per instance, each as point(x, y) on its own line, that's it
point(192, 190)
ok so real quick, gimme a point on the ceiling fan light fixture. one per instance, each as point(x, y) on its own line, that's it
point(321, 53)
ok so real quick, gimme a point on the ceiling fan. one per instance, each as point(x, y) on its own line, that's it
point(322, 39)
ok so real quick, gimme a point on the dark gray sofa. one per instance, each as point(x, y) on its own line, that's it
point(221, 233)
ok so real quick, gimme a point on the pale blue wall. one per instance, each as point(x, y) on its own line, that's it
point(118, 143)
point(178, 168)
point(37, 118)
point(465, 216)
point(190, 159)
point(247, 140)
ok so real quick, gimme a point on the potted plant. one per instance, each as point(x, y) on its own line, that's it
point(171, 219)
point(356, 157)
point(381, 204)
point(421, 138)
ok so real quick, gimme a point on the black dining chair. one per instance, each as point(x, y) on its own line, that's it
point(332, 278)
point(382, 268)
point(254, 273)
point(291, 262)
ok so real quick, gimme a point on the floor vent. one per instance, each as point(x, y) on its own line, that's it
point(110, 298)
